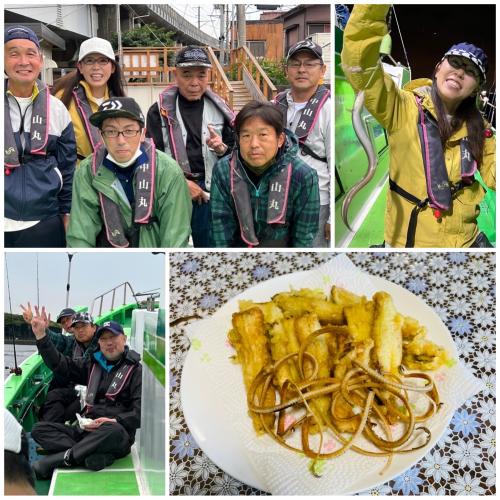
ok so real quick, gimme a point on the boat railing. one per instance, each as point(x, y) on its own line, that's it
point(125, 287)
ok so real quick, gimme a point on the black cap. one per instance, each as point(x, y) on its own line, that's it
point(192, 56)
point(117, 107)
point(20, 33)
point(308, 45)
point(65, 313)
point(110, 326)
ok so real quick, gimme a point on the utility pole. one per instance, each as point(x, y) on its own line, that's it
point(222, 57)
point(119, 34)
point(199, 16)
point(241, 23)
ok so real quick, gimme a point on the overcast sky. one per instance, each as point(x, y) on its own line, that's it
point(92, 273)
point(210, 17)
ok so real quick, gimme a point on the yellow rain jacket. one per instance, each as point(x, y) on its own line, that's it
point(396, 110)
point(83, 146)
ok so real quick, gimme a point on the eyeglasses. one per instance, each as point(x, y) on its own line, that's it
point(463, 63)
point(306, 64)
point(113, 134)
point(100, 62)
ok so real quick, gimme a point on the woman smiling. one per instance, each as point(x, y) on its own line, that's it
point(437, 136)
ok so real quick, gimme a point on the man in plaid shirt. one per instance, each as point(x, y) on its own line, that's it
point(263, 194)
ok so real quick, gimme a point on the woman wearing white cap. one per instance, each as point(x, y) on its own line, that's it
point(96, 79)
point(437, 136)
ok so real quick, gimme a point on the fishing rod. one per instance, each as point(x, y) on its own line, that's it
point(70, 256)
point(17, 370)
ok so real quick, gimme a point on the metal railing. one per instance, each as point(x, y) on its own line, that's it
point(100, 298)
point(243, 58)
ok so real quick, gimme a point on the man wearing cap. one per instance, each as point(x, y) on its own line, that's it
point(62, 401)
point(194, 126)
point(128, 194)
point(39, 149)
point(113, 376)
point(306, 109)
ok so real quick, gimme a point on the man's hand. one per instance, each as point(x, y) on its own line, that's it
point(197, 194)
point(65, 219)
point(98, 422)
point(27, 313)
point(215, 141)
point(327, 231)
point(40, 322)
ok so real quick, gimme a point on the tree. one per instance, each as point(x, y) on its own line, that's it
point(145, 36)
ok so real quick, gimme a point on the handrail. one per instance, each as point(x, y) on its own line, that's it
point(243, 57)
point(113, 292)
point(220, 83)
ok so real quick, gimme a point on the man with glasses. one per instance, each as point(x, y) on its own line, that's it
point(128, 194)
point(39, 149)
point(306, 109)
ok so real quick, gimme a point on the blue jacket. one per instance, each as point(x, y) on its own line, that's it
point(41, 187)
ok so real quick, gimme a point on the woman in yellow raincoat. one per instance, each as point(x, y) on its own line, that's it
point(437, 137)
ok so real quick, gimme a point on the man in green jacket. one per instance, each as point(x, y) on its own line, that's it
point(128, 194)
point(263, 194)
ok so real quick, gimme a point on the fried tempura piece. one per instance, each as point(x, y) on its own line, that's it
point(343, 297)
point(249, 339)
point(272, 313)
point(422, 354)
point(359, 318)
point(386, 334)
point(283, 342)
point(412, 328)
point(304, 301)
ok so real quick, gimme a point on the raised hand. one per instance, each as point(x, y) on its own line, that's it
point(215, 141)
point(40, 322)
point(27, 313)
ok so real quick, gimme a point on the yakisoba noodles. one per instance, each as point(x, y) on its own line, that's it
point(337, 365)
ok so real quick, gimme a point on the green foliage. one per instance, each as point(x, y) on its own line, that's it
point(275, 70)
point(14, 324)
point(145, 36)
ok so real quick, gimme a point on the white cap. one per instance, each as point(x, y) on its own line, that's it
point(12, 432)
point(96, 46)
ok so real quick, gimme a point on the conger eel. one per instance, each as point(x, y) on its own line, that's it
point(365, 141)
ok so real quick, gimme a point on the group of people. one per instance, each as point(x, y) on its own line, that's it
point(85, 168)
point(96, 358)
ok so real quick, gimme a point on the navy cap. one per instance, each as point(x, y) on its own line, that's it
point(82, 318)
point(65, 313)
point(110, 326)
point(470, 51)
point(20, 33)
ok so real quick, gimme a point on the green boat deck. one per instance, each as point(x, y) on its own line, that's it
point(118, 479)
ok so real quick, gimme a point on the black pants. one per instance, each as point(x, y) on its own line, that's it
point(48, 233)
point(60, 405)
point(108, 438)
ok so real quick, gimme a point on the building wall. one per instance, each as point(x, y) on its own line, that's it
point(271, 34)
point(295, 24)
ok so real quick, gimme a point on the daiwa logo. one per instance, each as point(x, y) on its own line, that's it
point(112, 105)
point(107, 323)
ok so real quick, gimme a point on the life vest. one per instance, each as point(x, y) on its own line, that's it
point(145, 179)
point(279, 187)
point(308, 117)
point(14, 155)
point(440, 191)
point(172, 131)
point(85, 110)
point(121, 376)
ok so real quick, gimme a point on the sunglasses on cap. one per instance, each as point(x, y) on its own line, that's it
point(467, 65)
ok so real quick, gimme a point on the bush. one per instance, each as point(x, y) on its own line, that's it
point(150, 36)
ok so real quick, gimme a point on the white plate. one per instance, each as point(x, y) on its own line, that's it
point(211, 426)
